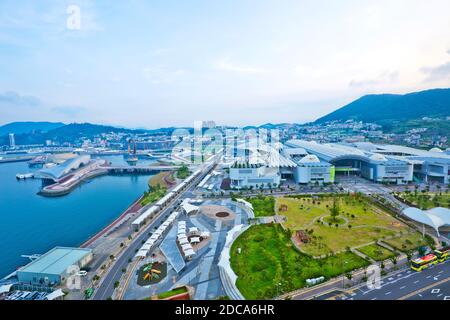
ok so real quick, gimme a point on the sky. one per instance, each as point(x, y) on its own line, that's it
point(159, 63)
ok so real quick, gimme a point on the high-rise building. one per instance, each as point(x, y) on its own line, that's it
point(208, 124)
point(12, 141)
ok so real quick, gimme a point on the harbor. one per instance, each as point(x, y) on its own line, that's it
point(69, 221)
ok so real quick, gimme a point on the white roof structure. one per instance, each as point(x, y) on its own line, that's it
point(5, 288)
point(141, 254)
point(183, 241)
point(193, 230)
point(188, 208)
point(139, 220)
point(378, 157)
point(195, 240)
point(435, 218)
point(189, 253)
point(181, 236)
point(310, 158)
point(55, 294)
point(245, 203)
point(164, 199)
point(179, 187)
point(186, 246)
point(205, 234)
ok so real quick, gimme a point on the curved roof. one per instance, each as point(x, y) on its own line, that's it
point(311, 158)
point(57, 172)
point(333, 152)
point(436, 150)
point(378, 157)
point(435, 218)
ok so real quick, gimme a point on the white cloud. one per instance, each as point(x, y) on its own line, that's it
point(227, 65)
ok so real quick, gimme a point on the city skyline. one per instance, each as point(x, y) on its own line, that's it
point(153, 64)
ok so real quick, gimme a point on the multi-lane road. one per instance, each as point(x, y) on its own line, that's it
point(430, 284)
point(106, 287)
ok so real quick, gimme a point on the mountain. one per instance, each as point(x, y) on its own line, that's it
point(386, 107)
point(65, 133)
point(27, 127)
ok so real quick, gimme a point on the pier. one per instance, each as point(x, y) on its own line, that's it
point(16, 159)
point(67, 183)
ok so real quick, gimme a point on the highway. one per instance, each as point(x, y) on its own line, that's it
point(433, 283)
point(106, 288)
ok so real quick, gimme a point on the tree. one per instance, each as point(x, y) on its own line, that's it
point(335, 210)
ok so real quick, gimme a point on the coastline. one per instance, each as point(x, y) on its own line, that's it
point(134, 207)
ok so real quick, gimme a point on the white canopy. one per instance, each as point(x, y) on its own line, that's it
point(141, 254)
point(195, 240)
point(189, 253)
point(186, 246)
point(435, 218)
point(193, 230)
point(5, 288)
point(183, 241)
point(205, 234)
point(55, 294)
point(187, 207)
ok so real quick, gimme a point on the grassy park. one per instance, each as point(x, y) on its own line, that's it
point(409, 242)
point(355, 222)
point(269, 264)
point(427, 200)
point(262, 206)
point(153, 194)
point(183, 172)
point(376, 252)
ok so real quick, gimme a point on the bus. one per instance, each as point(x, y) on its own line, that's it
point(443, 254)
point(422, 263)
point(438, 256)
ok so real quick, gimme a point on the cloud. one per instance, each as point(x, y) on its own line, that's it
point(437, 73)
point(14, 99)
point(384, 78)
point(226, 65)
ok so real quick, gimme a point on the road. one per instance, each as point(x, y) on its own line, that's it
point(106, 288)
point(431, 284)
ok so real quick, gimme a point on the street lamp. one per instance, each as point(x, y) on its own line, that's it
point(278, 289)
point(343, 273)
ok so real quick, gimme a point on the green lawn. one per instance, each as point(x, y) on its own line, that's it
point(172, 293)
point(376, 252)
point(268, 257)
point(360, 222)
point(427, 201)
point(263, 206)
point(154, 194)
point(183, 172)
point(408, 242)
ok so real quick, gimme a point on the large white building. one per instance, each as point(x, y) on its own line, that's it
point(346, 159)
point(428, 166)
point(310, 162)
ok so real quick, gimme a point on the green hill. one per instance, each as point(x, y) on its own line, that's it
point(27, 127)
point(387, 107)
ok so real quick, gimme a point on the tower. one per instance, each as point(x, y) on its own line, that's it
point(12, 141)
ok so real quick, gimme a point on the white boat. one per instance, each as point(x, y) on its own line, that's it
point(24, 176)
